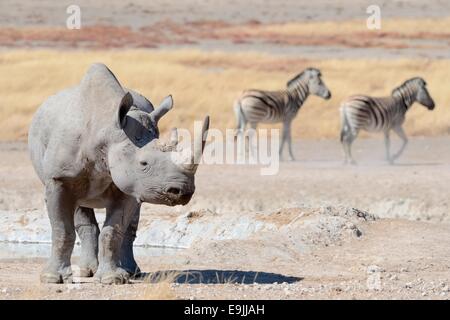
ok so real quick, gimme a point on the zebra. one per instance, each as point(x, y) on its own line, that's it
point(381, 114)
point(257, 106)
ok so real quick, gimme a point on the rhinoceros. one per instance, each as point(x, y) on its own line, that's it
point(96, 145)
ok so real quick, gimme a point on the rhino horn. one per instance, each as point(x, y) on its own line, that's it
point(199, 146)
point(174, 137)
point(162, 109)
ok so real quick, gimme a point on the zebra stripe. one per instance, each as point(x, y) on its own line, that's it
point(273, 106)
point(381, 114)
point(257, 106)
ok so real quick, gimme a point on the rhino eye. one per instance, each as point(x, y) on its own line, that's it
point(144, 163)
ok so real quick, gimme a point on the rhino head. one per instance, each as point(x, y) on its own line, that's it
point(143, 166)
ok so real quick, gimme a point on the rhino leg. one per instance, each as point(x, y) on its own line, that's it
point(88, 232)
point(118, 216)
point(127, 260)
point(60, 207)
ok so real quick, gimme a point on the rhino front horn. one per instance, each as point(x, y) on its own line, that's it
point(199, 146)
point(174, 137)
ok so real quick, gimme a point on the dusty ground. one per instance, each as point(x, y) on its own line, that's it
point(310, 244)
point(139, 13)
point(317, 229)
point(321, 29)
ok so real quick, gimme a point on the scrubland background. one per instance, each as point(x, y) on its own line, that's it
point(315, 230)
point(207, 83)
point(205, 60)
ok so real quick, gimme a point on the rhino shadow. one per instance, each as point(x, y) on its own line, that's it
point(212, 276)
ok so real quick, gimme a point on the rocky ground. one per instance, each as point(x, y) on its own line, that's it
point(316, 230)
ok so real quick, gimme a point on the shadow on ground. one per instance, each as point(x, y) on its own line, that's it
point(218, 276)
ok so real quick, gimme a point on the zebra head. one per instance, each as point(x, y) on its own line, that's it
point(312, 79)
point(413, 90)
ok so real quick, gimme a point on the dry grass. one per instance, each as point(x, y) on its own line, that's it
point(395, 33)
point(399, 26)
point(158, 286)
point(204, 83)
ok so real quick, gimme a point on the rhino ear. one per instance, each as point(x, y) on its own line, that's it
point(125, 105)
point(162, 109)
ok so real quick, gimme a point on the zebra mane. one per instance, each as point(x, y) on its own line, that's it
point(300, 75)
point(408, 89)
point(295, 79)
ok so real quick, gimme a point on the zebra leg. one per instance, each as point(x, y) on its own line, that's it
point(387, 145)
point(347, 138)
point(240, 127)
point(289, 141)
point(283, 140)
point(399, 131)
point(252, 141)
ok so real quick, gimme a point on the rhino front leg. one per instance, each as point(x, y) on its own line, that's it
point(88, 232)
point(127, 260)
point(60, 207)
point(118, 216)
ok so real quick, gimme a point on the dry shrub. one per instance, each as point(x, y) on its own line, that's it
point(158, 286)
point(208, 83)
point(395, 34)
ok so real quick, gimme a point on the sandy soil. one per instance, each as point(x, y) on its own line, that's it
point(415, 188)
point(310, 244)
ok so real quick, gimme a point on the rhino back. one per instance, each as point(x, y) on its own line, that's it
point(54, 135)
point(68, 133)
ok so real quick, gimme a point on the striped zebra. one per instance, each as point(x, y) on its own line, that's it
point(256, 106)
point(381, 114)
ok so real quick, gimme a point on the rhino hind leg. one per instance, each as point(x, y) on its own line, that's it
point(88, 232)
point(127, 260)
point(60, 207)
point(118, 217)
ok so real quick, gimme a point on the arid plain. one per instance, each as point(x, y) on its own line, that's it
point(317, 229)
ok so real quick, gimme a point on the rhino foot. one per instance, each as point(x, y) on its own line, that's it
point(56, 276)
point(87, 267)
point(86, 272)
point(117, 276)
point(128, 263)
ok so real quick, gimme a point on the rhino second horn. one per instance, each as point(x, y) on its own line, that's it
point(165, 106)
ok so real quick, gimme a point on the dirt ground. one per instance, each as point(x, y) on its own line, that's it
point(317, 229)
point(412, 29)
point(138, 13)
point(305, 249)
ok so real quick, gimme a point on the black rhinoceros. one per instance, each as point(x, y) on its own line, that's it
point(97, 145)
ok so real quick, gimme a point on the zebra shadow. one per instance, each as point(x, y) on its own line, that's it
point(415, 164)
point(212, 276)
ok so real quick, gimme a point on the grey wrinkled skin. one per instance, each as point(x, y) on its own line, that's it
point(97, 146)
point(88, 231)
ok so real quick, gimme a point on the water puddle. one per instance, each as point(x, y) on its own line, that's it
point(12, 250)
